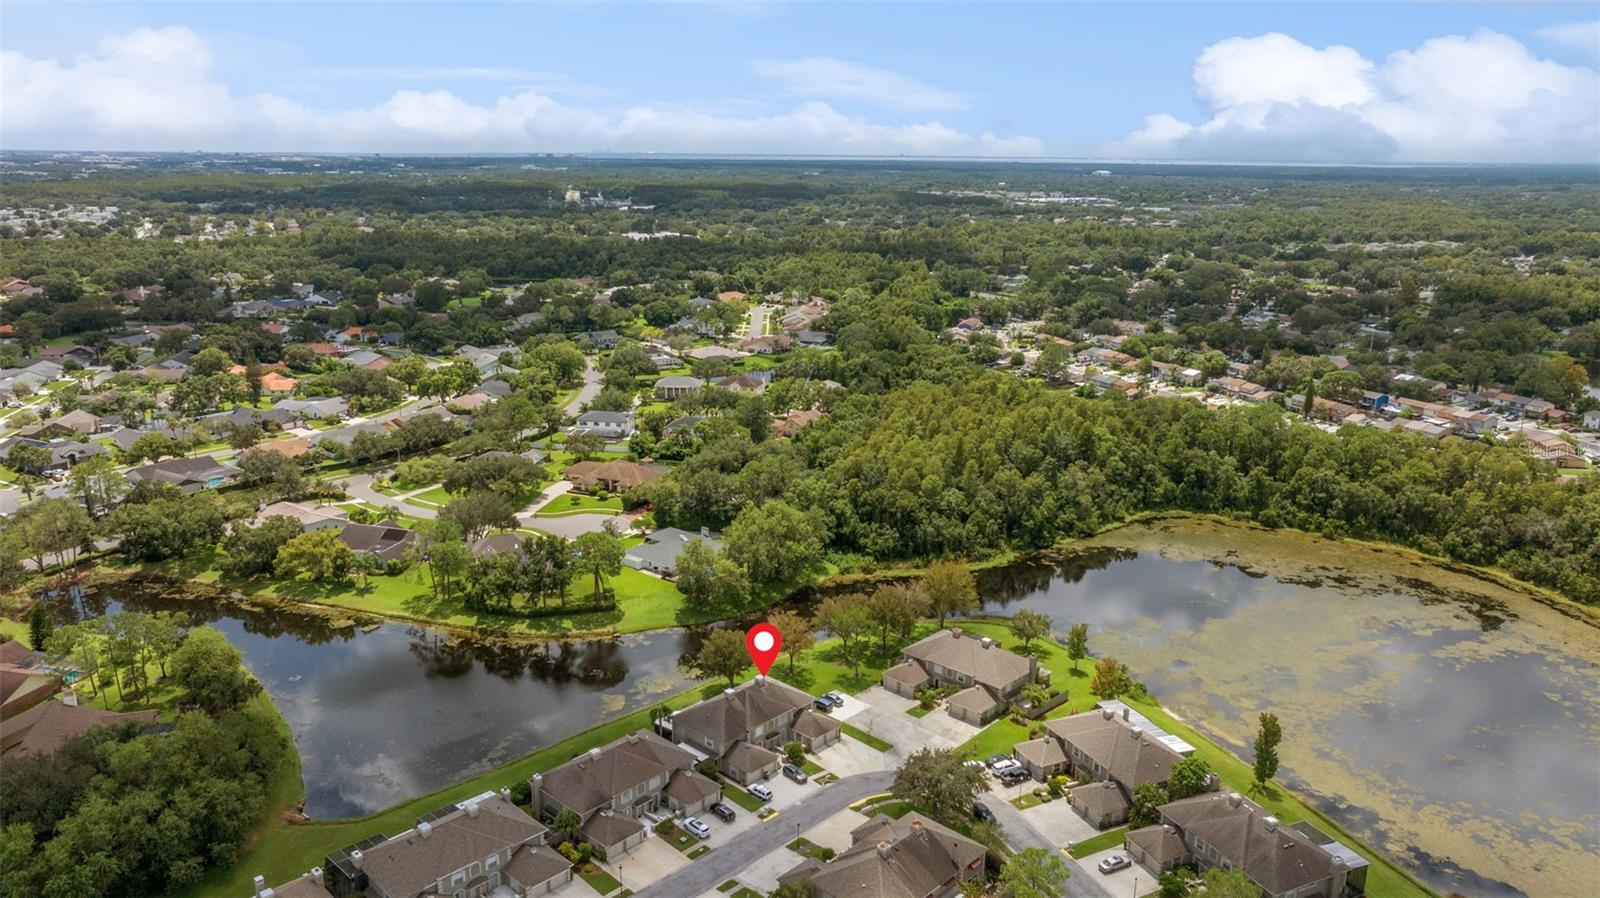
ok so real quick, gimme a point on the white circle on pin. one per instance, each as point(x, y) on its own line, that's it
point(763, 641)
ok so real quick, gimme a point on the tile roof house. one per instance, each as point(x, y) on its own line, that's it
point(474, 849)
point(991, 676)
point(288, 447)
point(659, 552)
point(610, 787)
point(1228, 831)
point(44, 728)
point(187, 474)
point(615, 476)
point(311, 517)
point(793, 422)
point(912, 857)
point(1109, 753)
point(745, 728)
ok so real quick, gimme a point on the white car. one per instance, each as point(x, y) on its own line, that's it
point(697, 827)
point(759, 791)
point(1005, 764)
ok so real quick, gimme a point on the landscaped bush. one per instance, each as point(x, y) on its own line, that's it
point(665, 826)
point(796, 752)
point(520, 793)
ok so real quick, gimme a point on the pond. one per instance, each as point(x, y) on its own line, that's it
point(390, 713)
point(1450, 722)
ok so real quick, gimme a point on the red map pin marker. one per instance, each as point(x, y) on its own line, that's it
point(764, 642)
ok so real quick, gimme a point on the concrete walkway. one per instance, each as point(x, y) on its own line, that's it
point(722, 863)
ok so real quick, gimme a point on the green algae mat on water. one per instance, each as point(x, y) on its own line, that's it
point(1450, 720)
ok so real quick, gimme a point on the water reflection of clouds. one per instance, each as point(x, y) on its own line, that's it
point(1147, 595)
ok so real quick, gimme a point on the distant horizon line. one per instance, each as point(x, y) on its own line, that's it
point(790, 157)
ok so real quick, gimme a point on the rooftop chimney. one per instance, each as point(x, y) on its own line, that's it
point(69, 698)
point(260, 883)
point(986, 642)
point(317, 877)
point(728, 691)
point(1136, 732)
point(505, 792)
point(472, 809)
point(1235, 799)
point(1270, 824)
point(356, 858)
point(1125, 712)
point(956, 632)
point(884, 850)
point(594, 753)
point(1107, 713)
point(424, 830)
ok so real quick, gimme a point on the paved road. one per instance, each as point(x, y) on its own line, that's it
point(723, 863)
point(1022, 834)
point(359, 486)
point(758, 322)
point(589, 390)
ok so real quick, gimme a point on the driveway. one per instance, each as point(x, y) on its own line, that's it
point(646, 863)
point(882, 713)
point(834, 832)
point(1129, 882)
point(546, 496)
point(848, 757)
point(587, 392)
point(359, 487)
point(768, 838)
point(1057, 819)
point(570, 526)
point(1020, 832)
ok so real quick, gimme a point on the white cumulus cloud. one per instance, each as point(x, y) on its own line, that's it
point(1478, 98)
point(1578, 35)
point(825, 78)
point(155, 89)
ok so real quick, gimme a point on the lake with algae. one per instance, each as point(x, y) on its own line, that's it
point(1449, 720)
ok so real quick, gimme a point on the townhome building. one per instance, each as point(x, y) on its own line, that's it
point(745, 728)
point(1228, 831)
point(614, 787)
point(913, 857)
point(1108, 753)
point(990, 677)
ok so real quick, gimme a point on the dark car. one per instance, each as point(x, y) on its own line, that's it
point(793, 771)
point(1012, 776)
point(723, 812)
point(983, 813)
point(823, 704)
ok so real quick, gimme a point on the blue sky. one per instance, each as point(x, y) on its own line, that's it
point(1471, 82)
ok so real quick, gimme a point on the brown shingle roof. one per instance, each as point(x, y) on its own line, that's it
point(536, 864)
point(1041, 752)
point(908, 672)
point(409, 863)
point(607, 828)
point(688, 787)
point(1162, 843)
point(1277, 858)
point(591, 780)
point(984, 660)
point(974, 698)
point(736, 712)
point(1111, 742)
point(1100, 799)
point(42, 729)
point(813, 725)
point(747, 758)
point(907, 858)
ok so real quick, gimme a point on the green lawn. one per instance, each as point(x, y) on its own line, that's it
point(918, 711)
point(865, 737)
point(737, 795)
point(1111, 838)
point(806, 848)
point(579, 503)
point(282, 852)
point(599, 880)
point(432, 496)
point(14, 629)
point(644, 602)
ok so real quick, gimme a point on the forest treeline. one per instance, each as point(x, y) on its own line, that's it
point(988, 462)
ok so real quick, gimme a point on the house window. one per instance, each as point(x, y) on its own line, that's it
point(459, 878)
point(492, 861)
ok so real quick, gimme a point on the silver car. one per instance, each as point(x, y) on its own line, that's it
point(697, 827)
point(1114, 863)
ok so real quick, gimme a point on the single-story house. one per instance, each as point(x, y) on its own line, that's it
point(615, 476)
point(386, 539)
point(659, 552)
point(610, 425)
point(311, 517)
point(187, 474)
